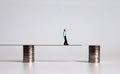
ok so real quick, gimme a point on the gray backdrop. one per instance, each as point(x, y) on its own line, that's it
point(87, 22)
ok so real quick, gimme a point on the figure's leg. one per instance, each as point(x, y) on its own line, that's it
point(66, 43)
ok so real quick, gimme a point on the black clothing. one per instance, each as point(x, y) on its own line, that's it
point(65, 42)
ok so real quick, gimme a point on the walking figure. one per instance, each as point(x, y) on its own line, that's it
point(65, 37)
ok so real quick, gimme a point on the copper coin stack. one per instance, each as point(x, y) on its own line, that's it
point(94, 53)
point(28, 53)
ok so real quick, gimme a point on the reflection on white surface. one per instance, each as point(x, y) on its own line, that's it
point(59, 68)
point(28, 68)
point(94, 68)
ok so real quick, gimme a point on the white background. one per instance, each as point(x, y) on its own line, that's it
point(87, 22)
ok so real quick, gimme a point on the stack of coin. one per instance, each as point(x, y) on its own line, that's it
point(94, 53)
point(28, 53)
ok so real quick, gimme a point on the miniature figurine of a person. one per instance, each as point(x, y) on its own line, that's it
point(65, 37)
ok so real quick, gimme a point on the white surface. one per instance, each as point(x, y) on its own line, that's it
point(69, 67)
point(42, 21)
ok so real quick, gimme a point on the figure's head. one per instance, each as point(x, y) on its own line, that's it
point(64, 29)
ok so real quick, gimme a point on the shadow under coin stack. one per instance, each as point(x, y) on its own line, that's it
point(28, 53)
point(94, 53)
